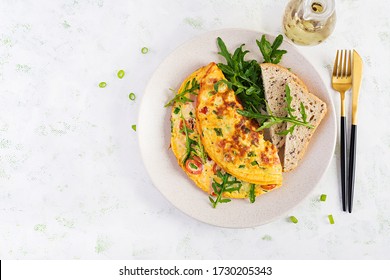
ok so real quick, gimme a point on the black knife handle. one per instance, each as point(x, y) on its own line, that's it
point(343, 162)
point(351, 173)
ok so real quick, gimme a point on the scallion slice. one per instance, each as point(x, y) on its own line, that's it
point(293, 219)
point(331, 220)
point(121, 74)
point(102, 84)
point(134, 127)
point(144, 50)
point(132, 96)
point(323, 197)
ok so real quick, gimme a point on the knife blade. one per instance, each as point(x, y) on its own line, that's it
point(357, 72)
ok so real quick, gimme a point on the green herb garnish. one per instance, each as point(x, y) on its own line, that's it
point(270, 120)
point(217, 84)
point(192, 147)
point(254, 162)
point(241, 166)
point(121, 74)
point(218, 131)
point(293, 219)
point(291, 116)
point(144, 50)
point(190, 88)
point(323, 197)
point(331, 220)
point(134, 127)
point(251, 154)
point(243, 76)
point(102, 84)
point(252, 196)
point(176, 111)
point(270, 52)
point(226, 185)
point(132, 96)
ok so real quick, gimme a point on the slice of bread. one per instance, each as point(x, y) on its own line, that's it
point(275, 78)
point(296, 143)
point(293, 146)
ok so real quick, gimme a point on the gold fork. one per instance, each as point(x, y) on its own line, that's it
point(342, 82)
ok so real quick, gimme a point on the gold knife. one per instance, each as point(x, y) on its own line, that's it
point(357, 72)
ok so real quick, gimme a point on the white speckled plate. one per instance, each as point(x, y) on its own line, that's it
point(167, 176)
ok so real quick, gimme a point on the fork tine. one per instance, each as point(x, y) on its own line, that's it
point(340, 66)
point(335, 64)
point(344, 75)
point(349, 62)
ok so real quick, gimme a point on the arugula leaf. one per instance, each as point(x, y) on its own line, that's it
point(224, 52)
point(290, 111)
point(270, 53)
point(243, 75)
point(266, 121)
point(193, 147)
point(288, 99)
point(271, 120)
point(303, 112)
point(287, 131)
point(216, 85)
point(189, 88)
point(226, 185)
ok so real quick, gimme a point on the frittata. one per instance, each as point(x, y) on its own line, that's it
point(231, 140)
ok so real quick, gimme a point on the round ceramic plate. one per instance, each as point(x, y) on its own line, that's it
point(170, 179)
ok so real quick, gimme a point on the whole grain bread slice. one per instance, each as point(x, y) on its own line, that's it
point(275, 78)
point(296, 143)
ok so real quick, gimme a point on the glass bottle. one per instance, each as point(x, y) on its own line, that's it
point(309, 22)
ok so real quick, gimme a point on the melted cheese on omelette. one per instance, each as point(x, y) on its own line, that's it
point(184, 114)
point(230, 139)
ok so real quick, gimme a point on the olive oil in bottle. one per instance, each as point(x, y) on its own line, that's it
point(309, 22)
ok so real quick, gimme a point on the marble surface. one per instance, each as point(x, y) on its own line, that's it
point(72, 184)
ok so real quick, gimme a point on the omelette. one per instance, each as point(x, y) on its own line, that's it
point(189, 150)
point(231, 140)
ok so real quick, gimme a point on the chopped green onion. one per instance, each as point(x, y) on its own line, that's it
point(132, 96)
point(241, 166)
point(144, 50)
point(134, 127)
point(293, 219)
point(102, 84)
point(218, 131)
point(331, 220)
point(177, 110)
point(254, 162)
point(121, 74)
point(323, 197)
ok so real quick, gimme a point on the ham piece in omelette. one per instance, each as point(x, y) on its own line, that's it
point(231, 140)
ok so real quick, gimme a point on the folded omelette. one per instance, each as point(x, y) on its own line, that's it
point(231, 140)
point(202, 154)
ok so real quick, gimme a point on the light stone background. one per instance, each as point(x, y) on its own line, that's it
point(72, 184)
